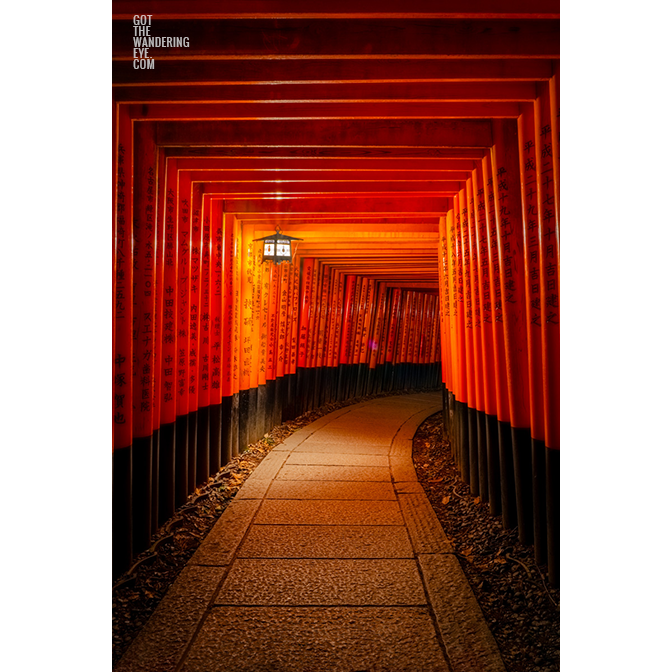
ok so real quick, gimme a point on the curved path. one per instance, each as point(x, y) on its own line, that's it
point(329, 559)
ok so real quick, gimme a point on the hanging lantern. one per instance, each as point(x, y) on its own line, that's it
point(278, 247)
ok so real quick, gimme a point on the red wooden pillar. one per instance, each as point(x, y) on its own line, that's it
point(303, 358)
point(546, 128)
point(144, 286)
point(236, 343)
point(217, 422)
point(488, 345)
point(168, 310)
point(347, 335)
point(122, 356)
point(511, 262)
point(198, 424)
point(530, 184)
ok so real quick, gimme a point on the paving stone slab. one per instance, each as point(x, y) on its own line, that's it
point(328, 512)
point(364, 490)
point(402, 468)
point(254, 489)
point(466, 636)
point(326, 541)
point(378, 439)
point(323, 582)
point(297, 472)
point(424, 528)
point(227, 533)
point(316, 639)
point(339, 459)
point(343, 448)
point(162, 642)
point(408, 488)
point(269, 466)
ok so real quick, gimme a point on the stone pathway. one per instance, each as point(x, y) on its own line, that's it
point(329, 559)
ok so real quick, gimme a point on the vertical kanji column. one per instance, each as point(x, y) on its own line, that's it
point(198, 426)
point(303, 358)
point(216, 327)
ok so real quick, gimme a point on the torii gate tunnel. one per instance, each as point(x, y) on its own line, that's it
point(413, 147)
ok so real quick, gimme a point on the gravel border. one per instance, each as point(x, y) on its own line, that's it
point(521, 609)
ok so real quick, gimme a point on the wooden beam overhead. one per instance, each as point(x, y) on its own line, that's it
point(438, 206)
point(343, 38)
point(358, 133)
point(277, 9)
point(395, 157)
point(326, 110)
point(181, 75)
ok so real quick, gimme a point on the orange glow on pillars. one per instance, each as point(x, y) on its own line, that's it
point(323, 303)
point(510, 238)
point(144, 219)
point(193, 369)
point(394, 325)
point(122, 283)
point(228, 308)
point(272, 337)
point(495, 298)
point(347, 319)
point(366, 323)
point(313, 322)
point(217, 299)
point(306, 289)
point(475, 281)
point(549, 261)
point(294, 316)
point(444, 305)
point(485, 297)
point(204, 365)
point(168, 303)
point(530, 184)
point(460, 331)
point(381, 305)
point(356, 321)
point(237, 308)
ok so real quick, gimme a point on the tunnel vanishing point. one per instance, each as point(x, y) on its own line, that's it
point(412, 148)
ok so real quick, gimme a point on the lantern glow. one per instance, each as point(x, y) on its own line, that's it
point(278, 247)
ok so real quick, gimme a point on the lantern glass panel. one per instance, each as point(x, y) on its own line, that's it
point(284, 249)
point(269, 248)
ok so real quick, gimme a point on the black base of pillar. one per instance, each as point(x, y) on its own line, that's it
point(494, 472)
point(181, 460)
point(141, 488)
point(235, 424)
point(122, 524)
point(473, 451)
point(215, 438)
point(539, 501)
point(462, 439)
point(507, 476)
point(482, 456)
point(166, 472)
point(226, 430)
point(260, 425)
point(553, 514)
point(192, 455)
point(203, 445)
point(243, 420)
point(521, 442)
